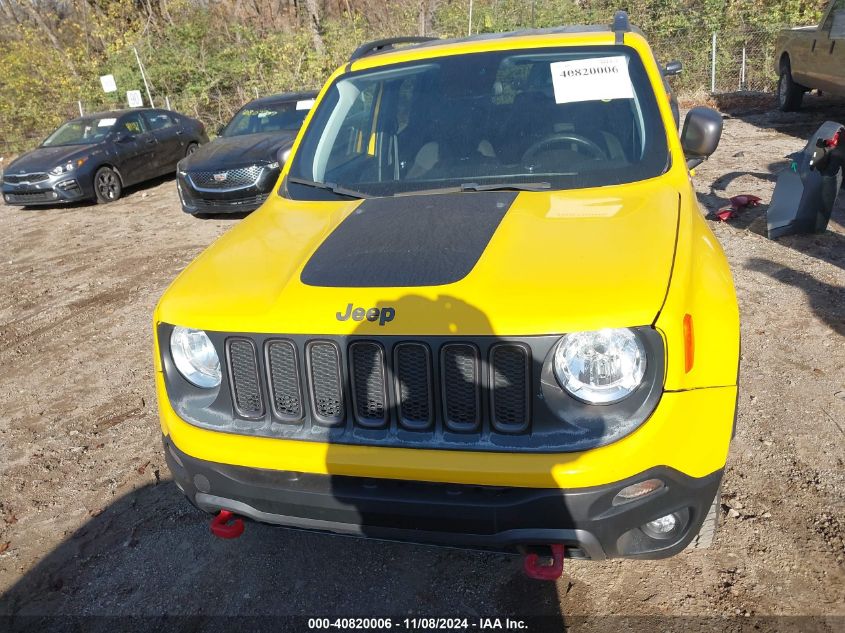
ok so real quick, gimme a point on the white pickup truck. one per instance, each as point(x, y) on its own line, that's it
point(812, 57)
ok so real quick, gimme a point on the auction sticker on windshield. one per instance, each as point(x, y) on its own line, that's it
point(594, 79)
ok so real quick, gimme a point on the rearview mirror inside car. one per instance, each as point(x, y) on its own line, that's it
point(673, 68)
point(701, 134)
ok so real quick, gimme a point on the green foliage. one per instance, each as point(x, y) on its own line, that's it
point(209, 62)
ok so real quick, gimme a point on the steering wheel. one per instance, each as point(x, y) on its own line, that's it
point(547, 143)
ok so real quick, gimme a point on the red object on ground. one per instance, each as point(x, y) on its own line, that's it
point(744, 200)
point(726, 214)
point(221, 528)
point(533, 568)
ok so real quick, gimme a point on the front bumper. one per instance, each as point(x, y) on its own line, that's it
point(55, 190)
point(240, 200)
point(487, 517)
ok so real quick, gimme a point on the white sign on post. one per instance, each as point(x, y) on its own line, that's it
point(108, 83)
point(595, 79)
point(134, 99)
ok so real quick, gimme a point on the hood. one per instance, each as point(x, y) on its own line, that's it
point(231, 151)
point(509, 264)
point(45, 158)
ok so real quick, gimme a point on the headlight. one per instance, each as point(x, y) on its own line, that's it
point(274, 165)
point(61, 169)
point(68, 166)
point(600, 367)
point(195, 357)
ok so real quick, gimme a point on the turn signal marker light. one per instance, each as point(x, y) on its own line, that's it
point(689, 343)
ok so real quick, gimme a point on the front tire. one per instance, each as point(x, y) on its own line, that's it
point(107, 185)
point(707, 534)
point(790, 94)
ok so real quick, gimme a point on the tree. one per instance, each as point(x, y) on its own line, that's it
point(314, 25)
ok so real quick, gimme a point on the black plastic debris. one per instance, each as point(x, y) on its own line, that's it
point(806, 193)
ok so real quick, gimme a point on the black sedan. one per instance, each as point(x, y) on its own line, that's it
point(96, 156)
point(237, 170)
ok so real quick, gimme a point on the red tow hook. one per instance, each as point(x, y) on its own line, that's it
point(222, 528)
point(534, 569)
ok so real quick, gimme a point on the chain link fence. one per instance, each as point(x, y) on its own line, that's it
point(720, 62)
point(713, 63)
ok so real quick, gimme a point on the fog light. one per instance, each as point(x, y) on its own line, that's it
point(662, 528)
point(636, 491)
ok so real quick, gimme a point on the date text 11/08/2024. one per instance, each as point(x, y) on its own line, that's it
point(427, 624)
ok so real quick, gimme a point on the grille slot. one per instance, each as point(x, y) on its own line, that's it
point(414, 386)
point(226, 179)
point(243, 370)
point(27, 178)
point(509, 387)
point(325, 379)
point(369, 392)
point(461, 400)
point(283, 374)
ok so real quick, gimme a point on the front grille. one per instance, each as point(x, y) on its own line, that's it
point(402, 389)
point(234, 205)
point(414, 386)
point(226, 179)
point(283, 370)
point(243, 368)
point(509, 366)
point(27, 178)
point(461, 401)
point(326, 380)
point(29, 197)
point(368, 384)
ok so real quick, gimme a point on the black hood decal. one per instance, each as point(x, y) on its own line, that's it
point(422, 240)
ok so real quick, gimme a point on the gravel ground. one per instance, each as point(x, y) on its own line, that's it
point(90, 524)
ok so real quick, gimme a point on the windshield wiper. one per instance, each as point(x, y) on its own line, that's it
point(507, 186)
point(328, 186)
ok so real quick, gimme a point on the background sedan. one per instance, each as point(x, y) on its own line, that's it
point(96, 156)
point(237, 170)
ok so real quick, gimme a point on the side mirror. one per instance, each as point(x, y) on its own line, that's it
point(282, 155)
point(124, 137)
point(220, 130)
point(673, 68)
point(701, 134)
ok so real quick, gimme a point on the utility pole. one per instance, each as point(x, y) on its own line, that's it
point(144, 77)
point(469, 30)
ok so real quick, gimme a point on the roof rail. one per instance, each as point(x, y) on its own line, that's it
point(378, 46)
point(621, 25)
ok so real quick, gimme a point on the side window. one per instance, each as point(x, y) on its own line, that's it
point(159, 120)
point(132, 123)
point(832, 17)
point(835, 22)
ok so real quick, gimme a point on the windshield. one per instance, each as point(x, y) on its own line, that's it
point(81, 132)
point(272, 117)
point(560, 118)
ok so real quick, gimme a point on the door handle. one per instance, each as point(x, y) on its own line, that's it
point(180, 133)
point(813, 49)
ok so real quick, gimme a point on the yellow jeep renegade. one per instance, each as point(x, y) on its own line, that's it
point(482, 309)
